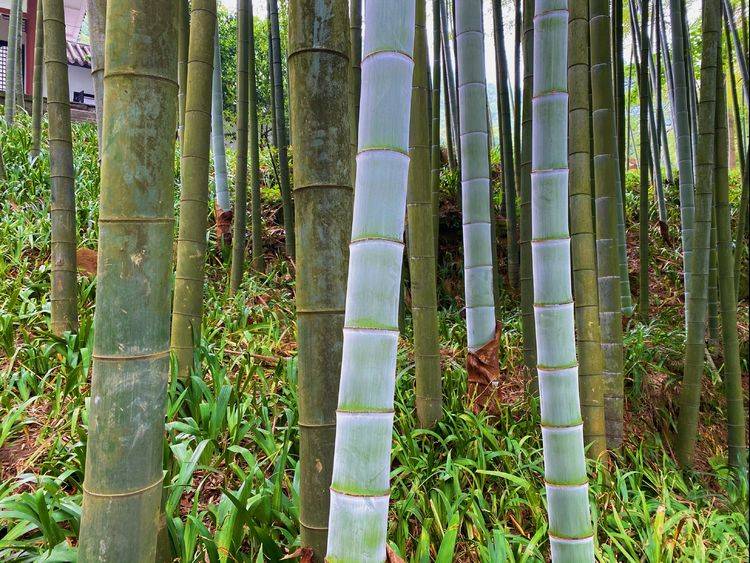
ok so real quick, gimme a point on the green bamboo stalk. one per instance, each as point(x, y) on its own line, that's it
point(570, 530)
point(217, 131)
point(687, 423)
point(16, 6)
point(360, 483)
point(741, 56)
point(258, 258)
point(643, 211)
point(583, 248)
point(618, 74)
point(713, 287)
point(36, 103)
point(97, 13)
point(183, 42)
point(475, 181)
point(740, 236)
point(421, 238)
point(319, 67)
point(278, 100)
point(691, 84)
point(435, 156)
point(123, 477)
point(244, 22)
point(735, 103)
point(517, 94)
point(607, 202)
point(662, 141)
point(506, 143)
point(730, 339)
point(681, 112)
point(19, 86)
point(272, 89)
point(451, 89)
point(64, 290)
point(526, 267)
point(187, 307)
point(447, 109)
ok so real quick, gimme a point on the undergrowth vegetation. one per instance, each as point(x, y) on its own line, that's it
point(468, 490)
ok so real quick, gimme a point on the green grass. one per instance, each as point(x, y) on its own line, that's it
point(468, 490)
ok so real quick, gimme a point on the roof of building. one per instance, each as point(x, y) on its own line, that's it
point(79, 54)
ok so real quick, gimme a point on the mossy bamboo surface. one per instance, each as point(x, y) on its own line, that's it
point(97, 13)
point(281, 136)
point(475, 180)
point(187, 306)
point(583, 240)
point(570, 530)
point(14, 18)
point(421, 238)
point(361, 468)
point(319, 67)
point(697, 304)
point(644, 91)
point(506, 144)
point(122, 488)
point(36, 100)
point(607, 202)
point(683, 142)
point(526, 267)
point(64, 292)
point(730, 340)
point(221, 182)
point(244, 22)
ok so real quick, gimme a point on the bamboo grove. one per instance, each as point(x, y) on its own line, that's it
point(333, 138)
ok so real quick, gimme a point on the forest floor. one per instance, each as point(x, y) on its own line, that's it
point(470, 489)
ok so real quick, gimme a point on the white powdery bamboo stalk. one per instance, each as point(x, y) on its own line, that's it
point(570, 531)
point(217, 131)
point(361, 468)
point(475, 174)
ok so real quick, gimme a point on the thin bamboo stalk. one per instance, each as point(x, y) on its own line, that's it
point(97, 13)
point(16, 7)
point(36, 103)
point(644, 91)
point(258, 258)
point(217, 132)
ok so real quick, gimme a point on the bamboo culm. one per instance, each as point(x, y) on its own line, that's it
point(421, 238)
point(14, 18)
point(256, 219)
point(360, 483)
point(244, 22)
point(697, 305)
point(64, 290)
point(583, 240)
point(122, 489)
point(97, 13)
point(570, 530)
point(217, 131)
point(643, 208)
point(36, 102)
point(319, 68)
point(278, 100)
point(607, 202)
point(187, 306)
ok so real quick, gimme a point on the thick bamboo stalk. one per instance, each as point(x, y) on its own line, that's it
point(14, 18)
point(183, 41)
point(730, 340)
point(643, 208)
point(691, 83)
point(475, 181)
point(64, 290)
point(421, 238)
point(524, 239)
point(123, 478)
point(607, 202)
point(618, 75)
point(570, 530)
point(36, 101)
point(696, 307)
point(319, 67)
point(713, 287)
point(506, 144)
point(97, 13)
point(583, 247)
point(281, 135)
point(681, 112)
point(244, 22)
point(217, 132)
point(361, 476)
point(187, 306)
